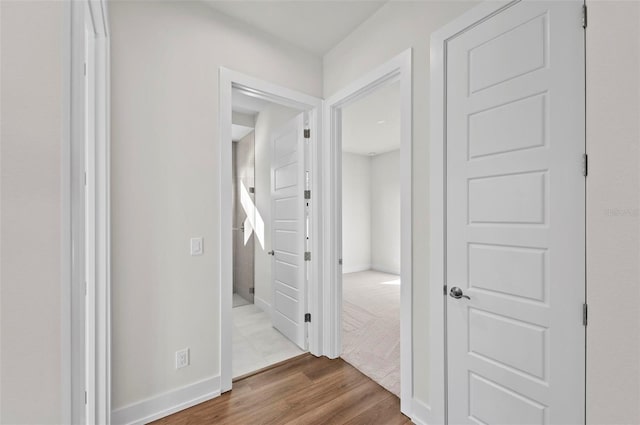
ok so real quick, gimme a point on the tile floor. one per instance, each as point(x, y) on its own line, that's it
point(256, 344)
point(238, 301)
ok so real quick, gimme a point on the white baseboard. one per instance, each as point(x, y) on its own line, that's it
point(389, 270)
point(165, 404)
point(262, 305)
point(420, 412)
point(355, 269)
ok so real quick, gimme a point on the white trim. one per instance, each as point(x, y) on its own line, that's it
point(437, 309)
point(294, 99)
point(356, 268)
point(386, 270)
point(168, 403)
point(397, 69)
point(420, 413)
point(262, 305)
point(89, 153)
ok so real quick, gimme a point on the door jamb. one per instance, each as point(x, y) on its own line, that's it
point(229, 79)
point(398, 68)
point(86, 192)
point(437, 412)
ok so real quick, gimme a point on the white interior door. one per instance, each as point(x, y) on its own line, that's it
point(515, 214)
point(288, 231)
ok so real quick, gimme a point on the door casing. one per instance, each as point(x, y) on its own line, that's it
point(399, 69)
point(86, 260)
point(228, 80)
point(438, 406)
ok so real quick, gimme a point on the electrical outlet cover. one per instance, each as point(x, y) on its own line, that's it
point(182, 358)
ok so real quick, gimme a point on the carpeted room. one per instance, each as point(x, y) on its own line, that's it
point(371, 236)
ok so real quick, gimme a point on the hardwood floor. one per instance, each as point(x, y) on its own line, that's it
point(304, 390)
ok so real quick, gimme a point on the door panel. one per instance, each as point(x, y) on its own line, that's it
point(515, 217)
point(287, 192)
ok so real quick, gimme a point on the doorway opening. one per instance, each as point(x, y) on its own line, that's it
point(269, 181)
point(371, 235)
point(351, 299)
point(267, 292)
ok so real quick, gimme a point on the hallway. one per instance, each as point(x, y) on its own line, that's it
point(304, 390)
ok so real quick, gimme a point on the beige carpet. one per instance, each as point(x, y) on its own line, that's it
point(371, 326)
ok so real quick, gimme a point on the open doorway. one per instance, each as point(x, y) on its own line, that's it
point(371, 235)
point(277, 157)
point(389, 81)
point(266, 287)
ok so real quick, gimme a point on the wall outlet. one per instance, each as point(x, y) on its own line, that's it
point(197, 246)
point(182, 358)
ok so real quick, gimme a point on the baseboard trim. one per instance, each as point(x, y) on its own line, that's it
point(388, 270)
point(355, 269)
point(420, 412)
point(262, 305)
point(168, 403)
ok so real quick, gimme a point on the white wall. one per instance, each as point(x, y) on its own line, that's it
point(267, 121)
point(394, 28)
point(356, 212)
point(245, 120)
point(33, 120)
point(371, 212)
point(385, 212)
point(165, 59)
point(613, 212)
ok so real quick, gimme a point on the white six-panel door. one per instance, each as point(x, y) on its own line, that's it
point(515, 217)
point(288, 231)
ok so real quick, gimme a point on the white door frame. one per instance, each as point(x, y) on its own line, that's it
point(396, 69)
point(281, 95)
point(87, 235)
point(437, 300)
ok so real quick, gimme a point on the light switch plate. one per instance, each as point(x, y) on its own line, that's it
point(197, 246)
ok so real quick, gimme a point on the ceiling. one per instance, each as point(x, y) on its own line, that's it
point(244, 103)
point(315, 26)
point(238, 132)
point(371, 125)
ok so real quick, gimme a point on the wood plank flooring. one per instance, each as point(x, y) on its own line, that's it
point(302, 391)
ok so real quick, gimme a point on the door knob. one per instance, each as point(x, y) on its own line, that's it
point(271, 252)
point(457, 293)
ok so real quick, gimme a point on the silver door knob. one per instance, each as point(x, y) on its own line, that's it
point(457, 293)
point(271, 252)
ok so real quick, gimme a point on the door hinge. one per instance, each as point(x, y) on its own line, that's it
point(85, 69)
point(307, 256)
point(340, 261)
point(85, 397)
point(444, 290)
point(252, 190)
point(585, 164)
point(584, 16)
point(307, 194)
point(584, 314)
point(307, 133)
point(252, 290)
point(307, 318)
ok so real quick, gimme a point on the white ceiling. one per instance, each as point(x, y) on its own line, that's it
point(315, 26)
point(372, 124)
point(239, 131)
point(247, 104)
